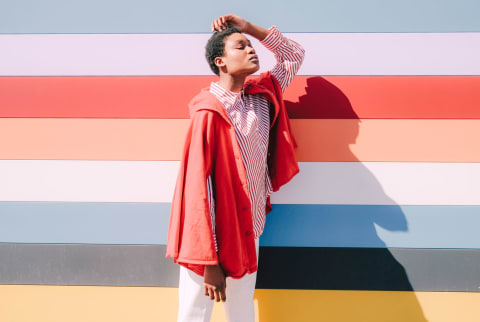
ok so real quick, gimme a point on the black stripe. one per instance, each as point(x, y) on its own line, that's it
point(334, 268)
point(347, 268)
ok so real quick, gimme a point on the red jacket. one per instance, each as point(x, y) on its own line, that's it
point(211, 147)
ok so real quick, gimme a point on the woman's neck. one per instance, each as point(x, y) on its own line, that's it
point(234, 84)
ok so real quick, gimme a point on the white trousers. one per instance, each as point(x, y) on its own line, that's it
point(195, 306)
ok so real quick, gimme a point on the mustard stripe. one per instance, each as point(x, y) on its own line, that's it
point(26, 303)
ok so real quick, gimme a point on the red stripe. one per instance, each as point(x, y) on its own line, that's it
point(342, 97)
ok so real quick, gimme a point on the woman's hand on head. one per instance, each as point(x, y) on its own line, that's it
point(229, 20)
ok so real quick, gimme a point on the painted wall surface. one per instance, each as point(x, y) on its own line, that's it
point(381, 224)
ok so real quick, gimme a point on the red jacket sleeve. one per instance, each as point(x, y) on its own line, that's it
point(190, 236)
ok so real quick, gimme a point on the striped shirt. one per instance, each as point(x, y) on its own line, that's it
point(250, 117)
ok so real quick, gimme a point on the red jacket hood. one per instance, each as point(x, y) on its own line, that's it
point(259, 85)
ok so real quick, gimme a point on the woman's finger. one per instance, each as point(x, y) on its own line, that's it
point(223, 294)
point(222, 22)
point(219, 24)
point(212, 293)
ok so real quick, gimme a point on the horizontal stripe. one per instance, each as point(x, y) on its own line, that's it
point(378, 183)
point(396, 269)
point(84, 222)
point(326, 54)
point(373, 226)
point(90, 181)
point(383, 183)
point(334, 268)
point(336, 97)
point(321, 225)
point(149, 16)
point(124, 304)
point(318, 140)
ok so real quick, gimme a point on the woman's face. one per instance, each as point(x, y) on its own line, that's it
point(239, 57)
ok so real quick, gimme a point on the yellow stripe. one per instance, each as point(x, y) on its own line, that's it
point(51, 303)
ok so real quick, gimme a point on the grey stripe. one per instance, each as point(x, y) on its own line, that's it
point(145, 265)
point(86, 264)
point(153, 16)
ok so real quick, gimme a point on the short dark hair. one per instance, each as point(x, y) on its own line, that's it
point(216, 45)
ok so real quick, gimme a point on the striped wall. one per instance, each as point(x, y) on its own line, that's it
point(381, 224)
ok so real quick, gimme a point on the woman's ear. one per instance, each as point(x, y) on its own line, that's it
point(219, 62)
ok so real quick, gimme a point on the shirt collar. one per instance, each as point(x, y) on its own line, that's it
point(225, 96)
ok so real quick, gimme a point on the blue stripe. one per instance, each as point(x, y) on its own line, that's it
point(152, 16)
point(373, 226)
point(287, 225)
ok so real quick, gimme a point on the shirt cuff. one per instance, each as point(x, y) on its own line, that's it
point(273, 40)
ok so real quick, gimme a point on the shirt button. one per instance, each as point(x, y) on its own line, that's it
point(244, 208)
point(248, 232)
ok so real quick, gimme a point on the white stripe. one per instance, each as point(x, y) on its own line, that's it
point(389, 183)
point(383, 183)
point(183, 54)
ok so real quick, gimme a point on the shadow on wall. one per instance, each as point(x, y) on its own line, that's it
point(338, 283)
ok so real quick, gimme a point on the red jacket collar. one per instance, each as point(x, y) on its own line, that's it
point(259, 85)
